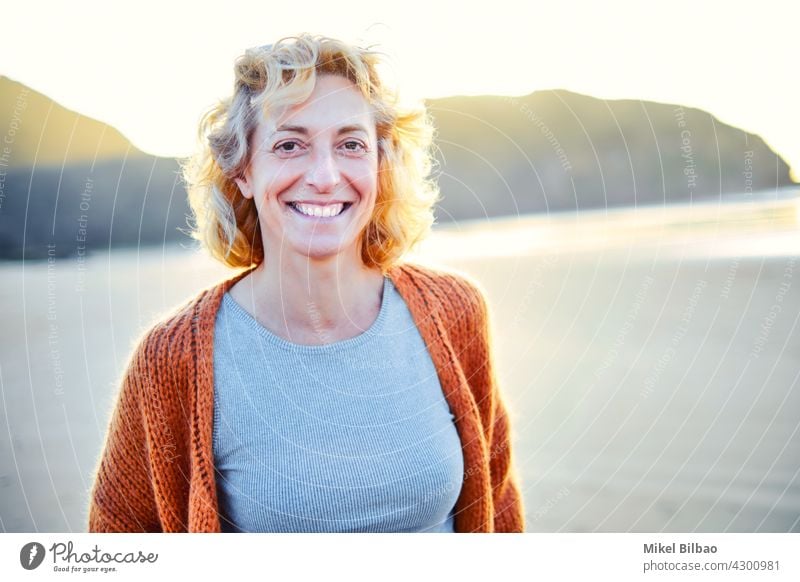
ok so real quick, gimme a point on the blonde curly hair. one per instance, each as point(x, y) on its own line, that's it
point(274, 76)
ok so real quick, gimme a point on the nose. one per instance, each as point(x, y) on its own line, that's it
point(323, 173)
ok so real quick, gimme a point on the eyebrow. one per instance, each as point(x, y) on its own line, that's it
point(304, 130)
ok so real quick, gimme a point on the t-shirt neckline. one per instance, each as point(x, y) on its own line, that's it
point(242, 315)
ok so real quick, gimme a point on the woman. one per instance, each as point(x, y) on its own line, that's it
point(329, 386)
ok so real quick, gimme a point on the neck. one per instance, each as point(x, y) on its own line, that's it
point(313, 301)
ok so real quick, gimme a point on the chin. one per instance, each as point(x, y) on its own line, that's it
point(320, 252)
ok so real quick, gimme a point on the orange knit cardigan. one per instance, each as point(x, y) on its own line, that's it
point(156, 472)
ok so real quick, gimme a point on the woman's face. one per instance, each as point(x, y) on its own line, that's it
point(313, 172)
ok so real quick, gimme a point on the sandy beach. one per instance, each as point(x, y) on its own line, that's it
point(650, 361)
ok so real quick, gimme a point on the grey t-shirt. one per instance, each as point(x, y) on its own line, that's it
point(354, 435)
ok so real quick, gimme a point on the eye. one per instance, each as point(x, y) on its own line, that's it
point(287, 148)
point(354, 146)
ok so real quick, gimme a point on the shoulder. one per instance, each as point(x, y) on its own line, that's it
point(439, 285)
point(437, 279)
point(169, 340)
point(172, 326)
point(458, 299)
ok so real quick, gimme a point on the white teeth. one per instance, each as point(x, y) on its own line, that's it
point(320, 211)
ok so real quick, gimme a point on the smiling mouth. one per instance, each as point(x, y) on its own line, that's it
point(320, 212)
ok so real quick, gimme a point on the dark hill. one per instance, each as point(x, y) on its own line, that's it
point(45, 133)
point(556, 150)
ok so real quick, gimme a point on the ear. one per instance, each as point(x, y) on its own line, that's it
point(244, 187)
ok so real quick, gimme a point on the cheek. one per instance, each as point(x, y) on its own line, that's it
point(364, 178)
point(275, 180)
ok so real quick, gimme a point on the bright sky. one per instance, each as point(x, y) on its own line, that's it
point(152, 71)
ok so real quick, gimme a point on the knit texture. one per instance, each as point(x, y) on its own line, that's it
point(156, 471)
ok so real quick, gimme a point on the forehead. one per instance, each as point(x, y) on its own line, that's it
point(334, 102)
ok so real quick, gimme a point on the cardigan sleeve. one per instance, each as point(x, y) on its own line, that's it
point(122, 497)
point(509, 513)
point(508, 510)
